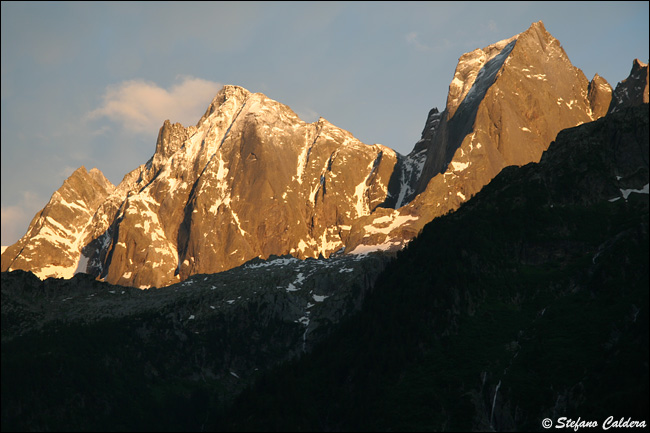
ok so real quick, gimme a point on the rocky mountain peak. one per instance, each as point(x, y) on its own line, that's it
point(52, 244)
point(84, 181)
point(534, 39)
point(227, 92)
point(507, 102)
point(170, 138)
point(600, 96)
point(542, 38)
point(532, 65)
point(633, 90)
point(99, 177)
point(467, 70)
point(251, 179)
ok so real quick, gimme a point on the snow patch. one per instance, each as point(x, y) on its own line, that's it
point(571, 103)
point(538, 76)
point(302, 246)
point(460, 166)
point(394, 221)
point(365, 249)
point(74, 205)
point(328, 246)
point(54, 271)
point(303, 158)
point(276, 262)
point(361, 206)
point(319, 298)
point(627, 192)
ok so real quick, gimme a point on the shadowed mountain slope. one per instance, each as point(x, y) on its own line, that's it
point(529, 302)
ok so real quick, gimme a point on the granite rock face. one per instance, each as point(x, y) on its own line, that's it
point(600, 96)
point(506, 104)
point(251, 179)
point(51, 246)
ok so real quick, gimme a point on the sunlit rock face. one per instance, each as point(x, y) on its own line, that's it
point(600, 96)
point(251, 179)
point(51, 246)
point(506, 103)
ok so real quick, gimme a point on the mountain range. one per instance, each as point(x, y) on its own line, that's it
point(494, 276)
point(251, 179)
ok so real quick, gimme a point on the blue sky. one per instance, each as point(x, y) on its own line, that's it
point(91, 83)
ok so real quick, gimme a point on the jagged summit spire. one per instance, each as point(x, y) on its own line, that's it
point(537, 26)
point(227, 91)
point(633, 90)
point(470, 64)
point(506, 103)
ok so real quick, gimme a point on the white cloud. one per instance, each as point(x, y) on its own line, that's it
point(413, 39)
point(436, 45)
point(142, 106)
point(16, 218)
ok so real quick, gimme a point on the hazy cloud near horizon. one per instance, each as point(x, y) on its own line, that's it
point(91, 83)
point(140, 106)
